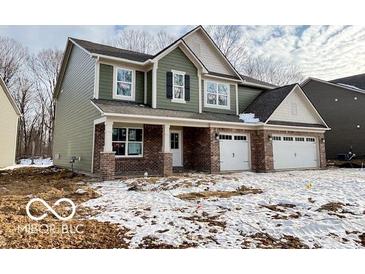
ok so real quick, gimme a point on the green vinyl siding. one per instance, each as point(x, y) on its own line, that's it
point(106, 83)
point(75, 115)
point(232, 110)
point(139, 87)
point(246, 96)
point(177, 60)
point(149, 88)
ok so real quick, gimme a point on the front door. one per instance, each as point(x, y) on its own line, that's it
point(176, 147)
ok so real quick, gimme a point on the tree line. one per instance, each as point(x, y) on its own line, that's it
point(31, 77)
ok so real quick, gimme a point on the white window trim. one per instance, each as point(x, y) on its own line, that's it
point(228, 107)
point(126, 143)
point(133, 89)
point(178, 100)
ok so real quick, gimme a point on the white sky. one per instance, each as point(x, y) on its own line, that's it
point(325, 52)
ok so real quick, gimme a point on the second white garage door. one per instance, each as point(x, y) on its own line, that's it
point(295, 152)
point(234, 152)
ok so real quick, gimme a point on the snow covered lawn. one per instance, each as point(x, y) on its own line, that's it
point(296, 209)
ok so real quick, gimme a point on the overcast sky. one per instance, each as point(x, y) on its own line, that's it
point(325, 52)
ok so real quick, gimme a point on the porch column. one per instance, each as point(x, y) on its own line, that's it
point(166, 138)
point(108, 147)
point(107, 157)
point(166, 155)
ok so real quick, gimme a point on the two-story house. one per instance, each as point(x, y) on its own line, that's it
point(120, 112)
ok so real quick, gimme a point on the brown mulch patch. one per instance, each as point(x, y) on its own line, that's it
point(205, 218)
point(362, 239)
point(279, 207)
point(243, 190)
point(335, 209)
point(264, 240)
point(150, 242)
point(17, 230)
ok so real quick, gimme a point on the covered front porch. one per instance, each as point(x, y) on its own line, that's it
point(125, 147)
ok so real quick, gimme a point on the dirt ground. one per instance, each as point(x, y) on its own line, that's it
point(17, 230)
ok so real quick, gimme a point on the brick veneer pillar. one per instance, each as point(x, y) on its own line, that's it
point(322, 151)
point(107, 165)
point(166, 163)
point(263, 150)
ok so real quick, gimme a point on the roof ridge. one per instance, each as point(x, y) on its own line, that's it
point(106, 45)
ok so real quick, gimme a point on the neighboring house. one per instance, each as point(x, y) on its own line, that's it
point(120, 112)
point(9, 114)
point(341, 103)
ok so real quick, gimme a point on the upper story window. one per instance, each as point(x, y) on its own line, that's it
point(178, 86)
point(124, 86)
point(217, 95)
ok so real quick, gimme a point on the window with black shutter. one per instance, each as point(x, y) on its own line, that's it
point(169, 84)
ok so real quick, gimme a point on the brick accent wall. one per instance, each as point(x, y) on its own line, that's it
point(196, 149)
point(98, 146)
point(107, 165)
point(200, 151)
point(153, 161)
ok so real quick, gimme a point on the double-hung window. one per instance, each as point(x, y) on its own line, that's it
point(128, 141)
point(178, 86)
point(124, 88)
point(217, 95)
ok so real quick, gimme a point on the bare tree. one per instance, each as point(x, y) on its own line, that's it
point(229, 40)
point(136, 40)
point(272, 71)
point(45, 67)
point(23, 93)
point(163, 39)
point(12, 57)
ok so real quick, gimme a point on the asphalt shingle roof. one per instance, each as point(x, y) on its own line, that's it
point(357, 81)
point(256, 81)
point(266, 103)
point(112, 51)
point(110, 106)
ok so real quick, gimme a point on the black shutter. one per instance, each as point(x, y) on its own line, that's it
point(187, 87)
point(169, 84)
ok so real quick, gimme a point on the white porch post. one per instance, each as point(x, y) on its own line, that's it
point(166, 138)
point(108, 147)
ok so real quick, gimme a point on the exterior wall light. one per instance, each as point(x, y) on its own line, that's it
point(217, 136)
point(336, 100)
point(323, 140)
point(358, 126)
point(270, 138)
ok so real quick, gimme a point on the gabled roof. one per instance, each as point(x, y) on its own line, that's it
point(96, 48)
point(339, 85)
point(10, 98)
point(355, 81)
point(266, 103)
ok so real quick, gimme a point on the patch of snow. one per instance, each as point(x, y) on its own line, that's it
point(47, 162)
point(154, 210)
point(80, 191)
point(248, 118)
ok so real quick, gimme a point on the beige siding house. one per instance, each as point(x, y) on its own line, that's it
point(9, 114)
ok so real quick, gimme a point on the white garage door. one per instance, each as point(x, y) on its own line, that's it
point(234, 152)
point(295, 152)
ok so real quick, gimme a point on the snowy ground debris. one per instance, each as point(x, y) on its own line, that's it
point(40, 162)
point(296, 209)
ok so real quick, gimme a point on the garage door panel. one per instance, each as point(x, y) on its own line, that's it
point(234, 153)
point(295, 152)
